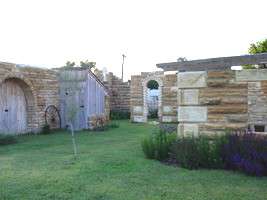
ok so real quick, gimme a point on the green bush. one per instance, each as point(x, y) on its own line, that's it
point(119, 114)
point(7, 139)
point(113, 125)
point(157, 145)
point(198, 152)
point(153, 114)
point(46, 129)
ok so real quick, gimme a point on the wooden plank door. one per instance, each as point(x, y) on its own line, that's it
point(13, 113)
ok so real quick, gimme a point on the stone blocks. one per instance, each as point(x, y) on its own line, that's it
point(188, 130)
point(139, 119)
point(138, 110)
point(188, 96)
point(192, 79)
point(251, 75)
point(192, 113)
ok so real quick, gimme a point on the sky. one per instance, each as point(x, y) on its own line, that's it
point(47, 33)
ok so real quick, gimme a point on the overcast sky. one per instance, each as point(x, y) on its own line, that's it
point(48, 33)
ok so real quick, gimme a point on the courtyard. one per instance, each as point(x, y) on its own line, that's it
point(110, 165)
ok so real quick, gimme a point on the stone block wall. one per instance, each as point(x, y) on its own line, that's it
point(212, 102)
point(169, 98)
point(41, 84)
point(119, 92)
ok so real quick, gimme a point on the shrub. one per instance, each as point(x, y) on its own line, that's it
point(243, 151)
point(46, 129)
point(168, 127)
point(198, 152)
point(113, 125)
point(119, 114)
point(157, 145)
point(153, 114)
point(246, 152)
point(7, 139)
point(185, 152)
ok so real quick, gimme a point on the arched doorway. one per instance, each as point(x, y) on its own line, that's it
point(152, 89)
point(16, 106)
point(152, 99)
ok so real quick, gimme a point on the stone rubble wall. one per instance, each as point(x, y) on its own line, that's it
point(215, 101)
point(43, 85)
point(119, 92)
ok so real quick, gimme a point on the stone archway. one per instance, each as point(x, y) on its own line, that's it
point(158, 79)
point(17, 105)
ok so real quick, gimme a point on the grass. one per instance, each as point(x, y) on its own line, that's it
point(110, 165)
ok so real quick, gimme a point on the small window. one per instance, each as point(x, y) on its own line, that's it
point(259, 128)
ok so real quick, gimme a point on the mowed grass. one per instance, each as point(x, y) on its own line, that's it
point(110, 165)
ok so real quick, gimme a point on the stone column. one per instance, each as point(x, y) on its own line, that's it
point(190, 112)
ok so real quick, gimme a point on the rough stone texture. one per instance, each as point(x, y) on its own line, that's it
point(192, 113)
point(191, 80)
point(138, 110)
point(257, 103)
point(226, 101)
point(136, 93)
point(234, 99)
point(188, 96)
point(42, 84)
point(167, 111)
point(169, 98)
point(119, 92)
point(232, 102)
point(169, 119)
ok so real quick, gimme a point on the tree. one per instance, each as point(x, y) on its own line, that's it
point(152, 85)
point(86, 64)
point(70, 85)
point(181, 59)
point(99, 74)
point(69, 64)
point(258, 47)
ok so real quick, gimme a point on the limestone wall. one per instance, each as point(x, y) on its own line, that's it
point(214, 101)
point(169, 98)
point(137, 102)
point(119, 92)
point(42, 84)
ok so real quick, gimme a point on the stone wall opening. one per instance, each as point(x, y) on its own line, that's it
point(166, 96)
point(152, 94)
point(152, 99)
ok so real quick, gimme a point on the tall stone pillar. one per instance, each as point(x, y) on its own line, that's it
point(190, 112)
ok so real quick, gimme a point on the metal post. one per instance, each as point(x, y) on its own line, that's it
point(123, 57)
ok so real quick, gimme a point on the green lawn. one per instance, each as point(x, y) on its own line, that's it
point(110, 165)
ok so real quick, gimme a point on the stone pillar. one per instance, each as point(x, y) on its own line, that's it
point(190, 112)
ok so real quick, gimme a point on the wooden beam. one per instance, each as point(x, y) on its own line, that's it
point(220, 63)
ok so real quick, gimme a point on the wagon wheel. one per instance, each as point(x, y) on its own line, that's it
point(52, 117)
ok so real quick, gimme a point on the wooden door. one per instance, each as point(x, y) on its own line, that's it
point(13, 113)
